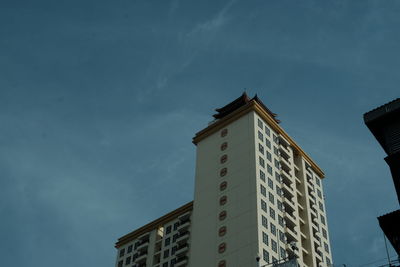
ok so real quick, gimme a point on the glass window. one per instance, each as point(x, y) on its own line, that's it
point(262, 175)
point(130, 249)
point(269, 156)
point(272, 213)
point(264, 221)
point(280, 205)
point(275, 139)
point(122, 252)
point(263, 205)
point(326, 247)
point(274, 245)
point(176, 225)
point(321, 206)
point(267, 131)
point(279, 191)
point(282, 237)
point(322, 219)
point(120, 263)
point(269, 169)
point(175, 237)
point(317, 181)
point(261, 161)
point(265, 256)
point(277, 164)
point(168, 229)
point(165, 264)
point(271, 198)
point(263, 190)
point(276, 152)
point(268, 143)
point(324, 233)
point(265, 238)
point(272, 229)
point(261, 149)
point(277, 177)
point(167, 241)
point(166, 253)
point(260, 124)
point(283, 253)
point(281, 221)
point(174, 249)
point(319, 193)
point(270, 183)
point(260, 136)
point(128, 260)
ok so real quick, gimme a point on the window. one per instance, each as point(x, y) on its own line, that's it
point(224, 146)
point(278, 177)
point(324, 233)
point(321, 206)
point(168, 230)
point(318, 181)
point(277, 164)
point(269, 156)
point(222, 231)
point(261, 161)
point(265, 256)
point(282, 237)
point(319, 193)
point(122, 252)
point(224, 132)
point(262, 175)
point(173, 261)
point(129, 249)
point(128, 260)
point(222, 263)
point(222, 247)
point(267, 131)
point(274, 245)
point(223, 158)
point(283, 253)
point(223, 186)
point(273, 229)
point(222, 215)
point(326, 247)
point(263, 190)
point(280, 205)
point(272, 213)
point(270, 184)
point(275, 139)
point(260, 124)
point(328, 261)
point(166, 253)
point(268, 143)
point(223, 172)
point(265, 238)
point(176, 225)
point(165, 264)
point(174, 249)
point(260, 136)
point(274, 260)
point(167, 241)
point(223, 200)
point(276, 152)
point(175, 237)
point(261, 149)
point(264, 221)
point(263, 205)
point(279, 191)
point(281, 221)
point(271, 198)
point(322, 219)
point(120, 263)
point(269, 169)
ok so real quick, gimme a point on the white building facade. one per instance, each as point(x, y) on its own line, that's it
point(258, 200)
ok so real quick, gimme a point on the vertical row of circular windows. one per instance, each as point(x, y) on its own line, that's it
point(223, 199)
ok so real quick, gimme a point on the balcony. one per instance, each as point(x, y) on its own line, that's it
point(143, 245)
point(181, 261)
point(290, 219)
point(182, 250)
point(285, 163)
point(289, 205)
point(183, 237)
point(291, 235)
point(184, 225)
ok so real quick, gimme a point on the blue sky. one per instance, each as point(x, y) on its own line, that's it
point(99, 101)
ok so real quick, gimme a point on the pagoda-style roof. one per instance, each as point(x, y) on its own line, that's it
point(240, 102)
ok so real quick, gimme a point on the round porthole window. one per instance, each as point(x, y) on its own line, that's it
point(223, 186)
point(222, 215)
point(224, 132)
point(222, 231)
point(222, 263)
point(223, 172)
point(223, 200)
point(222, 247)
point(224, 146)
point(223, 158)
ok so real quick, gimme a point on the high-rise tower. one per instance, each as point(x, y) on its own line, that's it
point(258, 195)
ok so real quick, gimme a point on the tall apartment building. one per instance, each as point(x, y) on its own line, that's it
point(258, 196)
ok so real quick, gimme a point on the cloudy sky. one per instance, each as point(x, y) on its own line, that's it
point(99, 101)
